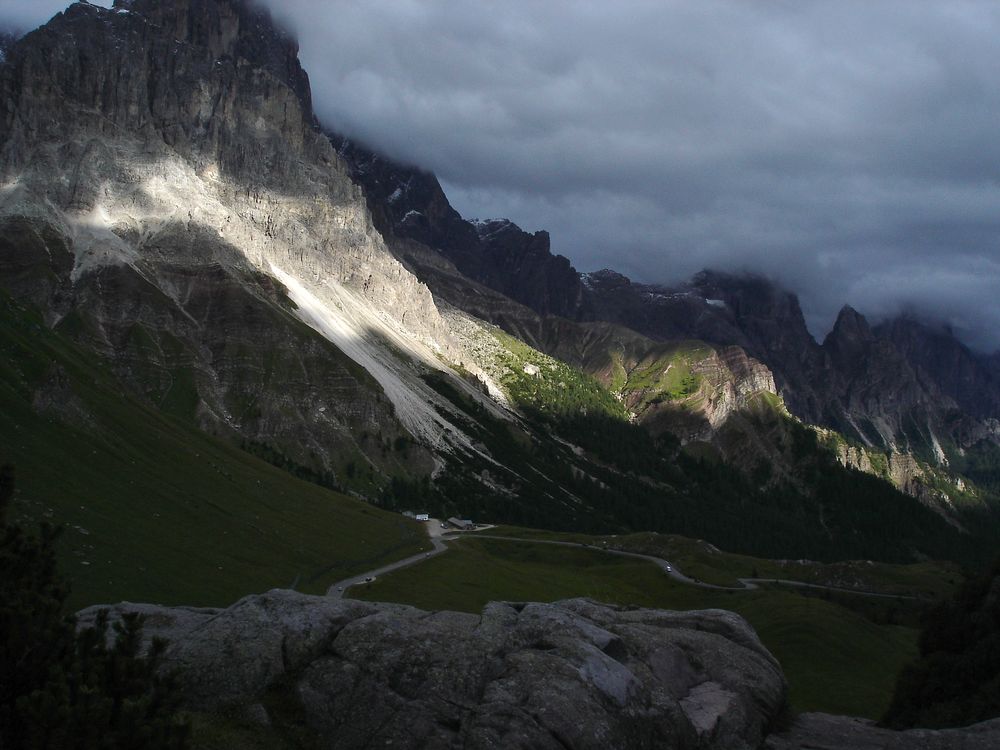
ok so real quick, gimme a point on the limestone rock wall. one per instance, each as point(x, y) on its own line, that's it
point(171, 151)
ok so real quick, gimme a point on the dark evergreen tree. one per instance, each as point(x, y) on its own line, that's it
point(60, 688)
point(956, 680)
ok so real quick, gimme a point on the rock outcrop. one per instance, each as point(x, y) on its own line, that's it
point(573, 674)
point(815, 731)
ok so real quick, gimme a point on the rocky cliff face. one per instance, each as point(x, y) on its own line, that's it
point(860, 381)
point(898, 388)
point(407, 203)
point(571, 674)
point(167, 194)
point(522, 266)
point(877, 394)
point(962, 375)
point(495, 253)
point(686, 388)
point(775, 330)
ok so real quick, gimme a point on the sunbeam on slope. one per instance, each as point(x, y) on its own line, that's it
point(348, 321)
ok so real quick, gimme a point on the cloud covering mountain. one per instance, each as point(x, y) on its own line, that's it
point(847, 149)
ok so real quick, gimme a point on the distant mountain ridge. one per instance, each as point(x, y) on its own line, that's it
point(899, 385)
point(170, 205)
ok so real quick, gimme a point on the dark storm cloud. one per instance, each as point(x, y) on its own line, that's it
point(848, 149)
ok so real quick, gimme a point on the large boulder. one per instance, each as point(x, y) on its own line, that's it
point(572, 674)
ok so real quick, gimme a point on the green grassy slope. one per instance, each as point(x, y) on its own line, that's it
point(705, 562)
point(606, 475)
point(556, 389)
point(768, 485)
point(663, 374)
point(834, 658)
point(154, 509)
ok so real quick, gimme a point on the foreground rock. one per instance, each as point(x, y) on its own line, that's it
point(573, 674)
point(825, 732)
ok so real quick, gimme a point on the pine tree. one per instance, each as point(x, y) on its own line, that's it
point(60, 688)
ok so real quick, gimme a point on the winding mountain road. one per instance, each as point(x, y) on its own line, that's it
point(439, 538)
point(434, 532)
point(670, 569)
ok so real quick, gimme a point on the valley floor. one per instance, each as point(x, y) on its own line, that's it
point(841, 651)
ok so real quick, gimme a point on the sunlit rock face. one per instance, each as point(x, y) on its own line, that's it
point(161, 169)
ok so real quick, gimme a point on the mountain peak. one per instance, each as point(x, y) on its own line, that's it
point(217, 81)
point(851, 323)
point(230, 29)
point(850, 337)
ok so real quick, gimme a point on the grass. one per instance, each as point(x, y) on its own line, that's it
point(666, 375)
point(835, 660)
point(705, 562)
point(152, 508)
point(556, 388)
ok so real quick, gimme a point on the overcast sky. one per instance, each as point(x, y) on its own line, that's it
point(850, 149)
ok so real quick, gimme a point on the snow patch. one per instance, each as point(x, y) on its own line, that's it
point(487, 228)
point(656, 296)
